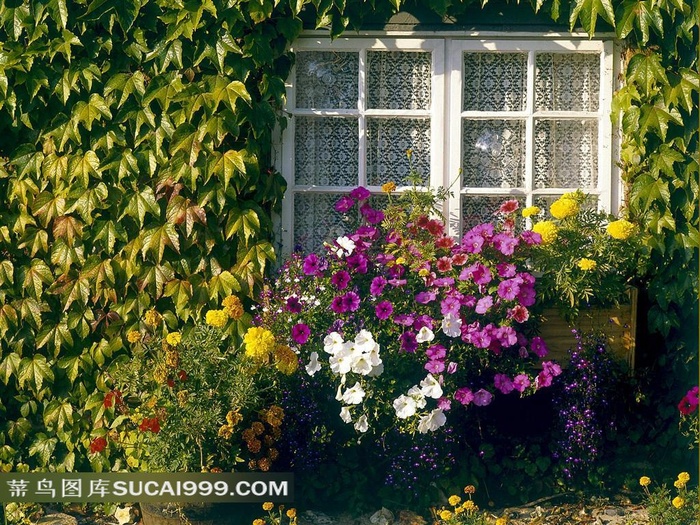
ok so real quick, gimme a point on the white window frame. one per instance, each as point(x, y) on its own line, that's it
point(446, 116)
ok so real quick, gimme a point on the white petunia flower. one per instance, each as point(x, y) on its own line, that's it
point(341, 361)
point(364, 341)
point(452, 325)
point(376, 370)
point(417, 396)
point(354, 395)
point(425, 335)
point(345, 415)
point(361, 365)
point(313, 366)
point(430, 387)
point(347, 246)
point(361, 425)
point(432, 421)
point(404, 406)
point(333, 342)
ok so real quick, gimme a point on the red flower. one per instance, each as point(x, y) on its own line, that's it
point(445, 242)
point(97, 445)
point(509, 206)
point(686, 406)
point(422, 221)
point(182, 375)
point(435, 227)
point(150, 424)
point(170, 383)
point(113, 397)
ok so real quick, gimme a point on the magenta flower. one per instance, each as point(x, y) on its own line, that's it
point(479, 273)
point(371, 215)
point(549, 371)
point(505, 243)
point(482, 398)
point(506, 269)
point(444, 403)
point(444, 264)
point(344, 204)
point(293, 304)
point(383, 310)
point(451, 367)
point(483, 305)
point(538, 347)
point(464, 395)
point(472, 243)
point(508, 289)
point(521, 382)
point(340, 279)
point(531, 238)
point(435, 366)
point(436, 352)
point(357, 262)
point(421, 321)
point(408, 342)
point(404, 319)
point(425, 297)
point(503, 383)
point(337, 305)
point(360, 193)
point(312, 264)
point(450, 305)
point(351, 301)
point(300, 333)
point(481, 339)
point(506, 336)
point(377, 286)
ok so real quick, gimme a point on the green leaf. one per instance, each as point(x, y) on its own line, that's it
point(645, 13)
point(223, 284)
point(108, 233)
point(188, 140)
point(73, 290)
point(64, 255)
point(7, 273)
point(19, 430)
point(9, 367)
point(657, 117)
point(84, 167)
point(34, 371)
point(37, 275)
point(180, 291)
point(46, 206)
point(141, 203)
point(155, 240)
point(30, 310)
point(35, 240)
point(664, 159)
point(67, 228)
point(58, 413)
point(8, 319)
point(183, 210)
point(245, 223)
point(153, 279)
point(683, 86)
point(87, 113)
point(72, 367)
point(60, 12)
point(587, 11)
point(43, 447)
point(646, 70)
point(87, 201)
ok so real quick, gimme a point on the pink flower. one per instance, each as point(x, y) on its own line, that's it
point(503, 383)
point(482, 398)
point(344, 204)
point(312, 265)
point(351, 301)
point(519, 314)
point(435, 366)
point(384, 309)
point(506, 269)
point(505, 243)
point(521, 382)
point(371, 215)
point(508, 289)
point(425, 297)
point(294, 305)
point(408, 342)
point(538, 347)
point(360, 193)
point(444, 403)
point(444, 264)
point(436, 352)
point(300, 333)
point(377, 286)
point(509, 206)
point(484, 304)
point(340, 279)
point(464, 395)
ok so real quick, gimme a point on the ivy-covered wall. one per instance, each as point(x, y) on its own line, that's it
point(136, 173)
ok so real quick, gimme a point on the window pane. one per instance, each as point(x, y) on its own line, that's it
point(326, 80)
point(493, 153)
point(495, 81)
point(316, 221)
point(567, 82)
point(398, 80)
point(566, 154)
point(387, 142)
point(326, 151)
point(480, 209)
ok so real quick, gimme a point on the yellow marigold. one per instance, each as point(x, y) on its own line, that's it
point(586, 264)
point(233, 417)
point(160, 374)
point(645, 481)
point(264, 464)
point(620, 229)
point(233, 307)
point(292, 513)
point(547, 230)
point(286, 360)
point(454, 500)
point(216, 318)
point(469, 505)
point(679, 484)
point(226, 432)
point(172, 359)
point(259, 343)
point(563, 208)
point(182, 397)
point(678, 502)
point(268, 505)
point(530, 211)
point(445, 514)
point(684, 477)
point(273, 453)
point(388, 187)
point(153, 318)
point(258, 521)
point(134, 336)
point(501, 521)
point(173, 338)
point(258, 428)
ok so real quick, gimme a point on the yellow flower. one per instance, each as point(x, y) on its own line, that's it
point(530, 211)
point(233, 307)
point(469, 489)
point(216, 318)
point(268, 505)
point(286, 360)
point(563, 208)
point(684, 477)
point(679, 484)
point(400, 260)
point(172, 359)
point(292, 513)
point(445, 514)
point(258, 521)
point(160, 374)
point(547, 230)
point(454, 500)
point(678, 502)
point(586, 264)
point(173, 338)
point(469, 505)
point(226, 432)
point(134, 336)
point(501, 521)
point(259, 343)
point(153, 318)
point(620, 229)
point(645, 481)
point(388, 187)
point(182, 397)
point(233, 417)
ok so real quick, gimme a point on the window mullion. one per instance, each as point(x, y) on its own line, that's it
point(362, 119)
point(530, 130)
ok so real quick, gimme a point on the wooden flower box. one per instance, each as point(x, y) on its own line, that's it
point(618, 324)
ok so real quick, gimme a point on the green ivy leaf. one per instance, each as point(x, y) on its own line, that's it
point(646, 70)
point(657, 118)
point(155, 240)
point(59, 414)
point(645, 12)
point(140, 204)
point(36, 276)
point(9, 367)
point(7, 273)
point(587, 11)
point(71, 365)
point(223, 285)
point(46, 206)
point(43, 447)
point(35, 371)
point(19, 430)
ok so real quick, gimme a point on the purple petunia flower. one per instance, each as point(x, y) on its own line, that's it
point(503, 383)
point(357, 262)
point(484, 304)
point(482, 398)
point(436, 352)
point(481, 339)
point(344, 204)
point(351, 301)
point(444, 403)
point(521, 382)
point(337, 305)
point(408, 342)
point(312, 264)
point(450, 305)
point(421, 321)
point(464, 395)
point(435, 366)
point(506, 336)
point(508, 289)
point(360, 193)
point(377, 285)
point(293, 304)
point(404, 319)
point(371, 215)
point(538, 347)
point(300, 333)
point(479, 273)
point(506, 269)
point(340, 279)
point(370, 232)
point(472, 243)
point(531, 238)
point(505, 243)
point(451, 367)
point(383, 310)
point(425, 297)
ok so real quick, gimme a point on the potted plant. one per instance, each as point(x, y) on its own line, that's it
point(193, 401)
point(586, 266)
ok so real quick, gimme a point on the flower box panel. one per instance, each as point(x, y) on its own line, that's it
point(619, 326)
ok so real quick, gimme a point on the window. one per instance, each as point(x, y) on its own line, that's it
point(492, 118)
